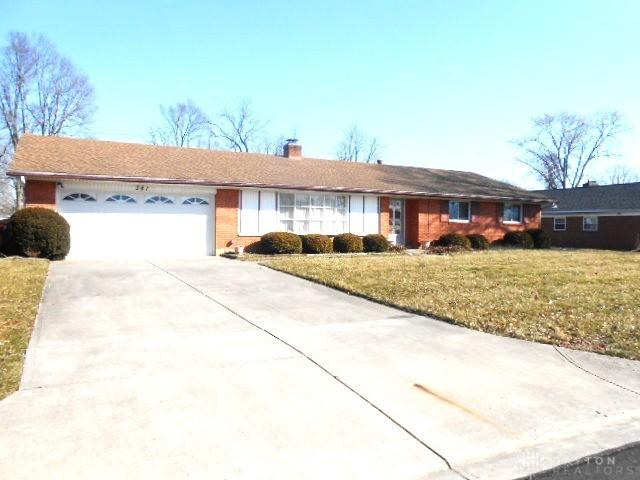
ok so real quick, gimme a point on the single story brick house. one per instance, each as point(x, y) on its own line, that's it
point(134, 199)
point(594, 216)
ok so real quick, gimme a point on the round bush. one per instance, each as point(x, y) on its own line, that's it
point(347, 243)
point(37, 232)
point(454, 239)
point(375, 243)
point(541, 239)
point(518, 239)
point(315, 243)
point(280, 242)
point(478, 242)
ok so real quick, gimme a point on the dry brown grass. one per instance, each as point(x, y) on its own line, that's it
point(585, 299)
point(21, 284)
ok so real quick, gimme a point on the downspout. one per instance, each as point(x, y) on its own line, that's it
point(428, 220)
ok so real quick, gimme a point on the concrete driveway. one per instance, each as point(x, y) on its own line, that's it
point(222, 369)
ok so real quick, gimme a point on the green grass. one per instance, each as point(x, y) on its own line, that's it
point(580, 299)
point(21, 284)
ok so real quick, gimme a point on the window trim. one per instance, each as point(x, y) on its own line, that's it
point(564, 220)
point(195, 200)
point(512, 222)
point(459, 220)
point(345, 220)
point(77, 197)
point(244, 230)
point(159, 200)
point(596, 223)
point(120, 200)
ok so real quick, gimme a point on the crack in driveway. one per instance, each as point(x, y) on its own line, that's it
point(577, 365)
point(317, 364)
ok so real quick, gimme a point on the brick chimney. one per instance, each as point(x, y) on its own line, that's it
point(292, 149)
point(590, 183)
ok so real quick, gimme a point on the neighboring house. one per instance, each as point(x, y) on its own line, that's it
point(594, 216)
point(132, 199)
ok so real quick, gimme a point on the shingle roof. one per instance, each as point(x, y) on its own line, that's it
point(83, 158)
point(598, 198)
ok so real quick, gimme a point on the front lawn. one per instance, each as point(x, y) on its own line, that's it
point(21, 284)
point(583, 299)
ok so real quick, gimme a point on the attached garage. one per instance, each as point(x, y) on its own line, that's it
point(111, 219)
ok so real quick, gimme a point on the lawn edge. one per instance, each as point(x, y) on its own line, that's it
point(426, 314)
point(35, 328)
point(36, 321)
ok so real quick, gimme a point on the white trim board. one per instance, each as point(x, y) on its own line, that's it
point(67, 186)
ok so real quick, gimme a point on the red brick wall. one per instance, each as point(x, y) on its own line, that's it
point(39, 193)
point(425, 220)
point(428, 219)
point(227, 205)
point(384, 216)
point(614, 232)
point(416, 218)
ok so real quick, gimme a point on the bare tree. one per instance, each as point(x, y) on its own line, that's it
point(17, 73)
point(565, 145)
point(41, 92)
point(63, 98)
point(273, 145)
point(622, 174)
point(356, 146)
point(240, 130)
point(185, 123)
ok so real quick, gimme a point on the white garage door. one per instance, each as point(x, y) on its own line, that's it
point(125, 223)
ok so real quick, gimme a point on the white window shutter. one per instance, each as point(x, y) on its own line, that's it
point(356, 214)
point(371, 216)
point(249, 207)
point(268, 214)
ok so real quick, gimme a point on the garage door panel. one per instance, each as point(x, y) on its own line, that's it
point(112, 229)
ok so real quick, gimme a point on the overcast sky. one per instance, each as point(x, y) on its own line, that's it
point(445, 84)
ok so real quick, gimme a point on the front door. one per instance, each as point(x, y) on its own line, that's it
point(396, 220)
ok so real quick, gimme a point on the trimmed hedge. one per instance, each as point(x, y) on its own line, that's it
point(316, 243)
point(518, 239)
point(478, 241)
point(454, 239)
point(375, 243)
point(541, 239)
point(280, 242)
point(37, 232)
point(347, 243)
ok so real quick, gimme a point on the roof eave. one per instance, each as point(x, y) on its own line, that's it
point(218, 183)
point(553, 212)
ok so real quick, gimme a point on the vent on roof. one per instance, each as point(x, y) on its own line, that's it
point(590, 183)
point(292, 149)
point(379, 161)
